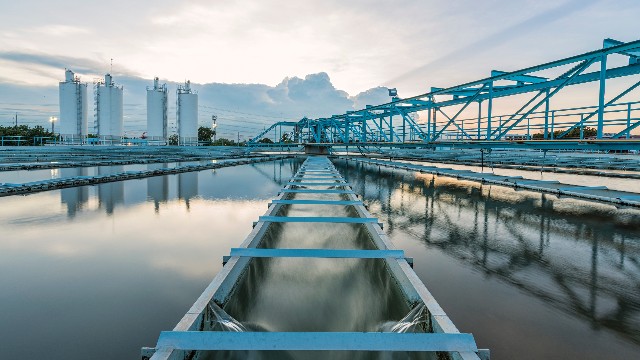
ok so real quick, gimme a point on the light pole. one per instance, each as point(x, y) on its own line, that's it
point(53, 119)
point(214, 119)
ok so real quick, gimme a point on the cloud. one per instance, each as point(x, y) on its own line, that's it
point(57, 62)
point(500, 37)
point(60, 30)
point(374, 96)
point(240, 108)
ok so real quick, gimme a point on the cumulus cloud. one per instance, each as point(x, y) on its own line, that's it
point(374, 96)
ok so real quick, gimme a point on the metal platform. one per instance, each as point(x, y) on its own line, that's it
point(192, 335)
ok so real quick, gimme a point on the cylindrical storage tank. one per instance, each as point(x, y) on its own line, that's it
point(117, 113)
point(187, 116)
point(72, 124)
point(109, 111)
point(157, 113)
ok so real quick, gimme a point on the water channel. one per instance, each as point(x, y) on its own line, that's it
point(99, 271)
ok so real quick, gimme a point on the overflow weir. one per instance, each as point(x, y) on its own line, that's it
point(597, 193)
point(307, 286)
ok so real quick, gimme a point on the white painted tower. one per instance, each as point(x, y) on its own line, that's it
point(157, 112)
point(187, 114)
point(109, 111)
point(73, 109)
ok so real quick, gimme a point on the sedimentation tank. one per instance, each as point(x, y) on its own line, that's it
point(157, 112)
point(109, 110)
point(187, 114)
point(73, 108)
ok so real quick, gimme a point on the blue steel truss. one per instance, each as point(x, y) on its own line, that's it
point(395, 122)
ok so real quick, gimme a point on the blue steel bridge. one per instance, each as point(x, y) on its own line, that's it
point(445, 113)
point(318, 274)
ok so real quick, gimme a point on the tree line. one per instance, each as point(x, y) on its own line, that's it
point(29, 135)
point(587, 132)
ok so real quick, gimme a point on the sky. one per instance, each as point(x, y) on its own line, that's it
point(272, 59)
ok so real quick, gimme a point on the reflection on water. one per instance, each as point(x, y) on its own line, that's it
point(317, 294)
point(110, 194)
point(158, 187)
point(112, 265)
point(517, 269)
point(74, 198)
point(164, 189)
point(187, 186)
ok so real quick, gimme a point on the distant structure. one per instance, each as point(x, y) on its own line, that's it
point(73, 109)
point(108, 109)
point(157, 113)
point(187, 114)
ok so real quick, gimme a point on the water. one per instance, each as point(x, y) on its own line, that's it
point(620, 184)
point(316, 294)
point(23, 176)
point(530, 275)
point(99, 271)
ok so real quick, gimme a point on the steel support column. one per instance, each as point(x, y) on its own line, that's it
point(603, 79)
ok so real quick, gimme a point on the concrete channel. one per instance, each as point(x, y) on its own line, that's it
point(8, 189)
point(596, 193)
point(278, 264)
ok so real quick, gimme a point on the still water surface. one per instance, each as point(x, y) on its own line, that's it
point(99, 271)
point(530, 275)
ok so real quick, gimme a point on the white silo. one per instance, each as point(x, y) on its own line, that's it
point(73, 108)
point(157, 112)
point(109, 120)
point(187, 114)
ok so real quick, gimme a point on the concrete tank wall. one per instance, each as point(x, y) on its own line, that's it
point(110, 110)
point(73, 108)
point(157, 112)
point(187, 117)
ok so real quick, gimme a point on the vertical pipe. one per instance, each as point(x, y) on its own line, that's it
point(603, 78)
point(546, 117)
point(628, 120)
point(489, 109)
point(391, 127)
point(479, 117)
point(553, 123)
point(528, 129)
point(404, 130)
point(347, 125)
point(581, 127)
point(434, 123)
point(429, 122)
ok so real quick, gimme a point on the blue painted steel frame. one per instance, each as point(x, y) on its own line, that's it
point(375, 123)
point(318, 341)
point(323, 219)
point(318, 253)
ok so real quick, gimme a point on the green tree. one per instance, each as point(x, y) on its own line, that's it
point(265, 141)
point(573, 134)
point(224, 142)
point(205, 134)
point(174, 139)
point(28, 134)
